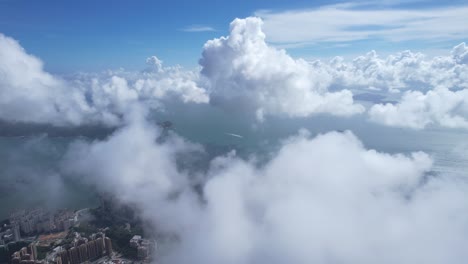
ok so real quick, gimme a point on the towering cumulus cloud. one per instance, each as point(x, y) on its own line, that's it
point(243, 70)
point(318, 200)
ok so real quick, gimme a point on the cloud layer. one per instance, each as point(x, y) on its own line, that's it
point(30, 94)
point(417, 110)
point(241, 72)
point(438, 94)
point(299, 207)
point(402, 71)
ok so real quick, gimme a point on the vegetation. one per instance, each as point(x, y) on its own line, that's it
point(116, 218)
point(42, 252)
point(4, 256)
point(120, 241)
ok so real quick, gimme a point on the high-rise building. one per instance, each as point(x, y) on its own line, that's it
point(23, 251)
point(99, 247)
point(27, 226)
point(83, 253)
point(32, 250)
point(143, 252)
point(92, 249)
point(16, 232)
point(108, 243)
point(64, 257)
point(15, 260)
point(74, 255)
point(16, 255)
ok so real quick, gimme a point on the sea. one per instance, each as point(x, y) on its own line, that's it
point(29, 161)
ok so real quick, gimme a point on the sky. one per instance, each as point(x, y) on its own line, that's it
point(90, 35)
point(303, 132)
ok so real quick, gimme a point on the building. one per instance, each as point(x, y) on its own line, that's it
point(64, 257)
point(144, 247)
point(135, 241)
point(74, 255)
point(41, 221)
point(83, 253)
point(108, 243)
point(143, 252)
point(23, 251)
point(16, 232)
point(26, 255)
point(92, 253)
point(32, 250)
point(27, 226)
point(100, 247)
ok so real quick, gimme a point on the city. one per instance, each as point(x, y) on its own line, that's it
point(39, 236)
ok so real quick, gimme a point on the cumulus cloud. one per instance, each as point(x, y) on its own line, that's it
point(417, 110)
point(243, 70)
point(29, 94)
point(437, 91)
point(402, 71)
point(326, 199)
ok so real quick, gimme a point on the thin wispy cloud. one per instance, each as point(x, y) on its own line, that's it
point(354, 22)
point(198, 28)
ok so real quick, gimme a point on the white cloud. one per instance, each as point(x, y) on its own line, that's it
point(244, 71)
point(437, 89)
point(353, 21)
point(460, 53)
point(198, 28)
point(240, 72)
point(402, 71)
point(30, 94)
point(318, 200)
point(417, 110)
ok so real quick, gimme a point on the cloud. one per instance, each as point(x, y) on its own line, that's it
point(417, 110)
point(356, 21)
point(198, 28)
point(298, 207)
point(243, 70)
point(240, 72)
point(132, 165)
point(438, 93)
point(29, 94)
point(401, 71)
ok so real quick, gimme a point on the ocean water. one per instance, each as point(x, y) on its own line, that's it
point(29, 164)
point(29, 178)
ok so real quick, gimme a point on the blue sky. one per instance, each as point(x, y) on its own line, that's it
point(93, 35)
